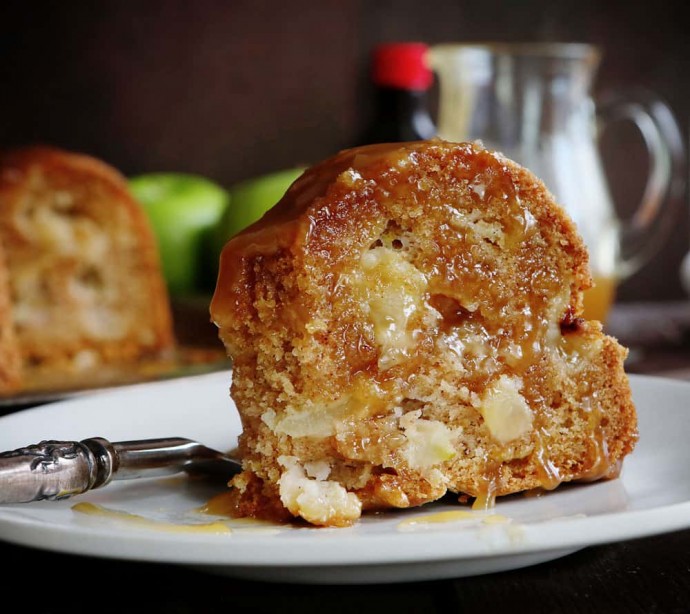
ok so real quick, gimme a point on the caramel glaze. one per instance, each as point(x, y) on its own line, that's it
point(462, 285)
point(284, 226)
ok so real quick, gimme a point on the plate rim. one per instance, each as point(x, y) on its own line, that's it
point(391, 548)
point(438, 545)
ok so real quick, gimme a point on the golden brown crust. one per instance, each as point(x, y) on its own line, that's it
point(406, 321)
point(85, 284)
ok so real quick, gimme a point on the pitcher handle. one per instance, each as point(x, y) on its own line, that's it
point(643, 234)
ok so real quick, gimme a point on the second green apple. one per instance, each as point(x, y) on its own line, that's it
point(250, 199)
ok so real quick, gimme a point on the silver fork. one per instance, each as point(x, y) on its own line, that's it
point(56, 470)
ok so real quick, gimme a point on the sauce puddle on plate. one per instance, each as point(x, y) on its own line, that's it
point(92, 509)
point(450, 517)
point(225, 505)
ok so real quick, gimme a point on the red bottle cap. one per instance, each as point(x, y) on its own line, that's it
point(401, 65)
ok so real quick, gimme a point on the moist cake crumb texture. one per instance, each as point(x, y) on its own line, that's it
point(404, 323)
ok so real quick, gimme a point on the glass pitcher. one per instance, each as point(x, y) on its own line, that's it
point(533, 103)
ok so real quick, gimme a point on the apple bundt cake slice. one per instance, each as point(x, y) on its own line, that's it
point(406, 322)
point(80, 280)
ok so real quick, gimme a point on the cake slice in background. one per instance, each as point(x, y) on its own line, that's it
point(10, 360)
point(80, 280)
point(406, 322)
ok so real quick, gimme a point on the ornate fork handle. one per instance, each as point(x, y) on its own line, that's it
point(55, 469)
point(59, 469)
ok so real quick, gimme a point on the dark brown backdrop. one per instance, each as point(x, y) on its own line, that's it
point(232, 89)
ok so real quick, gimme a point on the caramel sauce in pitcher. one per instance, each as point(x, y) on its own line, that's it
point(599, 298)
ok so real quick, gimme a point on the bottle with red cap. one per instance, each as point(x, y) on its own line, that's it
point(401, 79)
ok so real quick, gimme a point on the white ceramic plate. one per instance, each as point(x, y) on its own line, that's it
point(652, 496)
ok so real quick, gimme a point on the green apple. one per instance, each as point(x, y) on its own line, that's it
point(183, 210)
point(249, 200)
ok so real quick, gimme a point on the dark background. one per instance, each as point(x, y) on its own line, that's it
point(237, 88)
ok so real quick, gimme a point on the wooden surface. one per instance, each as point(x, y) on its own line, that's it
point(650, 575)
